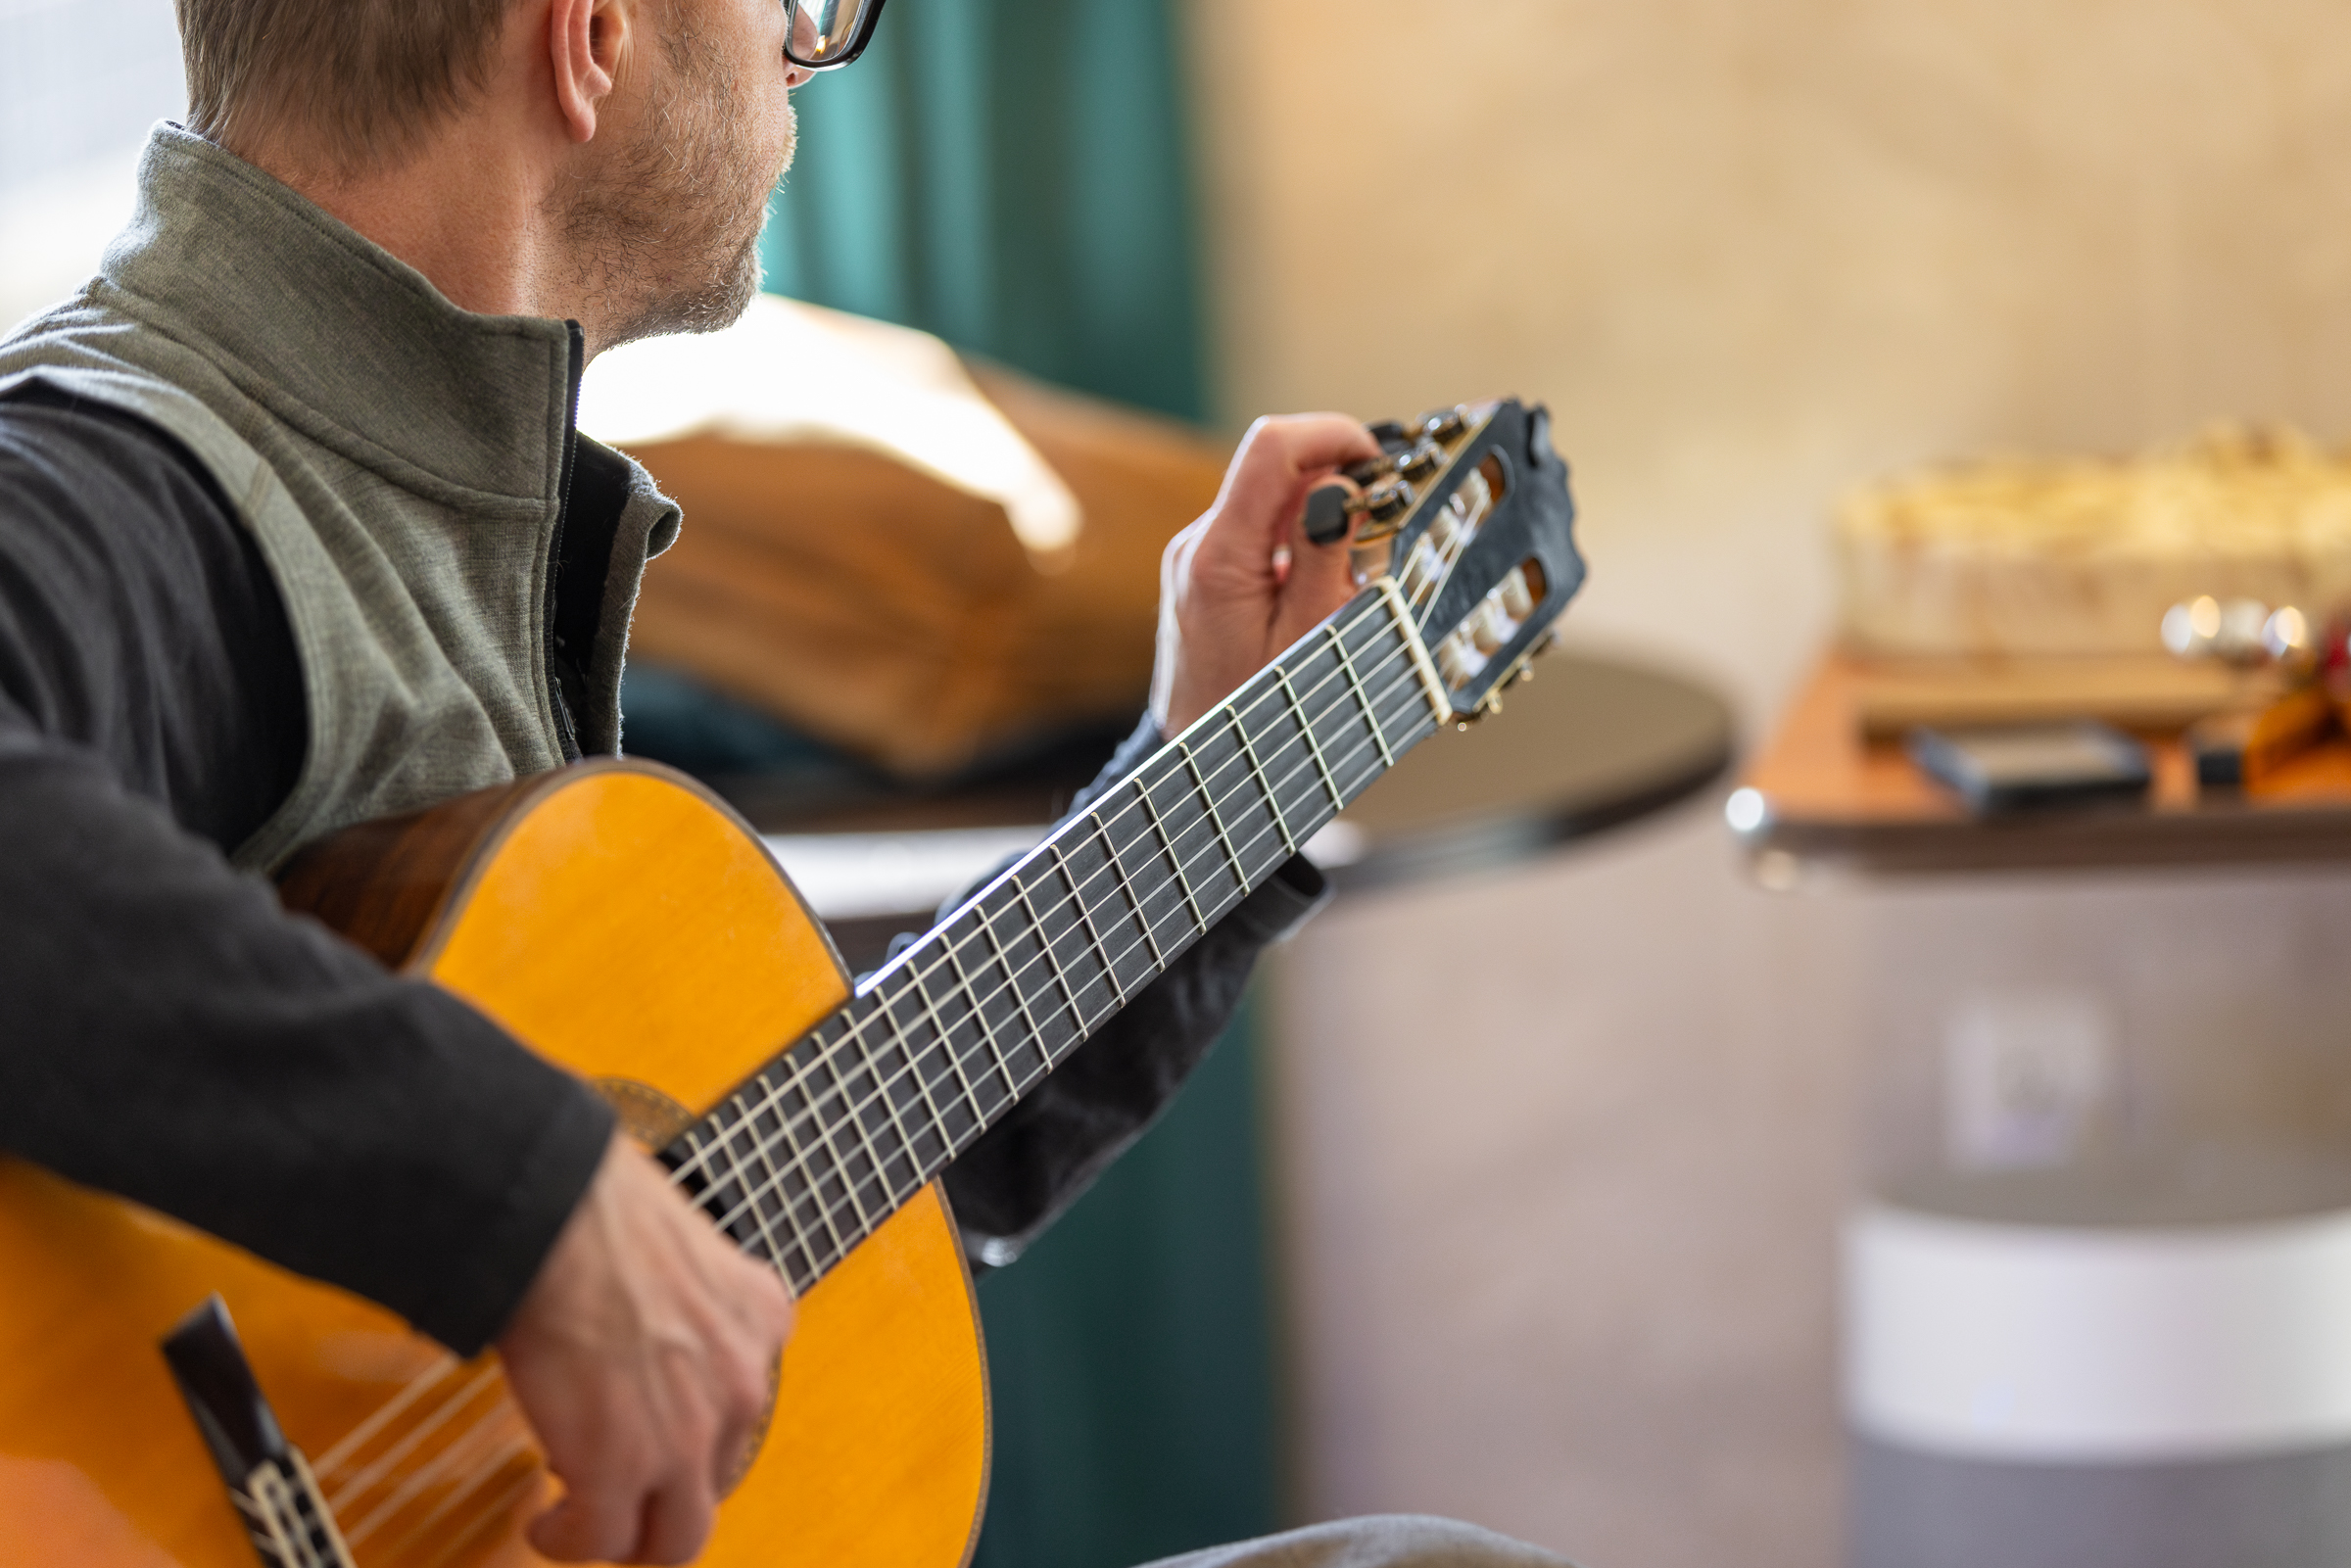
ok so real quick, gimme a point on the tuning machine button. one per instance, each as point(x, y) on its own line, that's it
point(1387, 504)
point(1390, 434)
point(1439, 424)
point(1328, 509)
point(1371, 471)
point(1420, 461)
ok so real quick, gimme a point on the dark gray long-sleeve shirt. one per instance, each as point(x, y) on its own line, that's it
point(168, 1033)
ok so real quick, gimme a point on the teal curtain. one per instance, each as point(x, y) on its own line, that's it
point(1014, 179)
point(1130, 1352)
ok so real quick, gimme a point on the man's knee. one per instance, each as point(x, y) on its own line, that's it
point(1380, 1541)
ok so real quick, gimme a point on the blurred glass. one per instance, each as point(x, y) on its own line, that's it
point(828, 33)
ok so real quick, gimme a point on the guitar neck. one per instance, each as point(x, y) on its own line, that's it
point(813, 1151)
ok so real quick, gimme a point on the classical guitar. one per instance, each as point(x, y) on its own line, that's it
point(165, 1398)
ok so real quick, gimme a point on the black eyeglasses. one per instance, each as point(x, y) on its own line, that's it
point(826, 34)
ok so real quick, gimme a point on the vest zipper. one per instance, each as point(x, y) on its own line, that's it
point(566, 734)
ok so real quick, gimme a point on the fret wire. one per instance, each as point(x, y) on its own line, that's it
point(987, 1034)
point(1125, 883)
point(1336, 714)
point(1240, 735)
point(1216, 830)
point(1086, 917)
point(987, 928)
point(1338, 801)
point(1312, 787)
point(808, 1175)
point(1215, 818)
point(802, 1163)
point(922, 1086)
point(1371, 718)
point(865, 1135)
point(947, 1042)
point(775, 1179)
point(1265, 786)
point(824, 1130)
point(1183, 883)
point(889, 1107)
point(1044, 943)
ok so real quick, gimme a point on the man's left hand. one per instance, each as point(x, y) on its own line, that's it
point(1244, 583)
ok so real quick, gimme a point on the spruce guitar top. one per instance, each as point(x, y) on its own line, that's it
point(810, 1120)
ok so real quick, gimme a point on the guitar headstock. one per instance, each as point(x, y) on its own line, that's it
point(1469, 512)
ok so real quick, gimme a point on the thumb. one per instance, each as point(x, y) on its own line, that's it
point(1281, 458)
point(575, 1531)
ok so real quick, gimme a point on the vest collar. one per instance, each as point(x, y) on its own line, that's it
point(342, 339)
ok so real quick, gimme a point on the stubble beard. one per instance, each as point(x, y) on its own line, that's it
point(668, 234)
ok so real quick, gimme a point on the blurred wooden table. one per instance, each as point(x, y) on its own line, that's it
point(1817, 795)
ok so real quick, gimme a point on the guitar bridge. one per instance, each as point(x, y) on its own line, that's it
point(268, 1480)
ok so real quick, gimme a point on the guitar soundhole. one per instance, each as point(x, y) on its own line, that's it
point(646, 1113)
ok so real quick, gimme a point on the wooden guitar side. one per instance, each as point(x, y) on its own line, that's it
point(631, 928)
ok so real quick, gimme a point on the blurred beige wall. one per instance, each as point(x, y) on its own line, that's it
point(1750, 251)
point(1561, 1239)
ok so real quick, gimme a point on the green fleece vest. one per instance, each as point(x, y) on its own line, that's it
point(399, 461)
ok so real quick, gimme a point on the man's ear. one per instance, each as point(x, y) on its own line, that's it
point(586, 40)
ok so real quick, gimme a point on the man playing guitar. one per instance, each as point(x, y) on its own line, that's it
point(296, 530)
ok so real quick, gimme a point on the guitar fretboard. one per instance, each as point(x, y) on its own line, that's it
point(812, 1153)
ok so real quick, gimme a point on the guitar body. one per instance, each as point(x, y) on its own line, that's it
point(627, 925)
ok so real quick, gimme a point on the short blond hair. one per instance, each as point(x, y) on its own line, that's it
point(357, 84)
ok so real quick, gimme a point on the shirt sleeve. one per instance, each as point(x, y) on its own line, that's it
point(167, 1032)
point(1027, 1169)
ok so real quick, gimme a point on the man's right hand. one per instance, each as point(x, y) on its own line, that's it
point(642, 1356)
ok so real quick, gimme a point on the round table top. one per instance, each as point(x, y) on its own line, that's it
point(1592, 741)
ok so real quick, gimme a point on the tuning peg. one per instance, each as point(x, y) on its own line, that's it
point(1381, 510)
point(1439, 424)
point(1389, 501)
point(1391, 436)
point(1420, 461)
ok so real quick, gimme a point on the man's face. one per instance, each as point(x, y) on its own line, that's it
point(666, 221)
